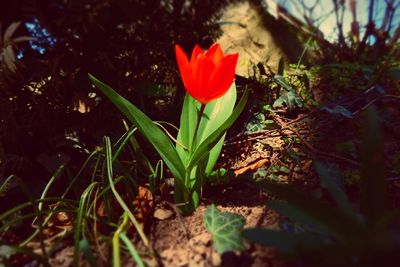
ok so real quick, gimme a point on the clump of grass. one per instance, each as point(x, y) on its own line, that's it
point(82, 209)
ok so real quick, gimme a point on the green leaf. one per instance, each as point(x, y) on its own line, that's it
point(313, 223)
point(187, 127)
point(221, 176)
point(279, 79)
point(311, 210)
point(310, 249)
point(284, 241)
point(284, 169)
point(374, 199)
point(215, 114)
point(334, 190)
point(209, 142)
point(121, 202)
point(225, 229)
point(147, 128)
point(80, 217)
point(288, 94)
point(259, 122)
point(132, 250)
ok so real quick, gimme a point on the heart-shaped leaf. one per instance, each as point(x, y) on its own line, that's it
point(225, 229)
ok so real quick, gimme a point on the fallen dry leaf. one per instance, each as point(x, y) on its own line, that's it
point(143, 203)
point(252, 167)
point(307, 166)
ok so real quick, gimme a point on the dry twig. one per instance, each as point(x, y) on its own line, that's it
point(284, 125)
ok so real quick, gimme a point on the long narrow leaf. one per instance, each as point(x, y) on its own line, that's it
point(80, 220)
point(213, 139)
point(48, 185)
point(187, 127)
point(21, 218)
point(283, 241)
point(215, 114)
point(115, 241)
point(312, 223)
point(333, 218)
point(334, 190)
point(374, 200)
point(147, 128)
point(17, 209)
point(131, 248)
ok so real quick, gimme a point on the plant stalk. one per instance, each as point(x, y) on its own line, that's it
point(200, 115)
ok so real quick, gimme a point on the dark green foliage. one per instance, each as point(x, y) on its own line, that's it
point(338, 235)
point(374, 202)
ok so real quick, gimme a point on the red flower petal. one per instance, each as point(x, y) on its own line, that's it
point(184, 67)
point(196, 51)
point(222, 77)
point(202, 70)
point(209, 74)
point(215, 53)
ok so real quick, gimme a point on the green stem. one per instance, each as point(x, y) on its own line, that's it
point(192, 147)
point(200, 115)
point(187, 179)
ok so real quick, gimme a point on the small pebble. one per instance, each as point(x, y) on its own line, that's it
point(162, 214)
point(216, 259)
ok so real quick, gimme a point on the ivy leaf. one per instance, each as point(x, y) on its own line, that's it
point(225, 228)
point(288, 95)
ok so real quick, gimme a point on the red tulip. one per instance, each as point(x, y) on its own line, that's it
point(208, 75)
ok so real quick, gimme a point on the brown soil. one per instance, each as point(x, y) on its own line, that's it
point(185, 241)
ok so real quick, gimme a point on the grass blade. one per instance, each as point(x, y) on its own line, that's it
point(115, 241)
point(47, 187)
point(121, 202)
point(131, 248)
point(79, 221)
